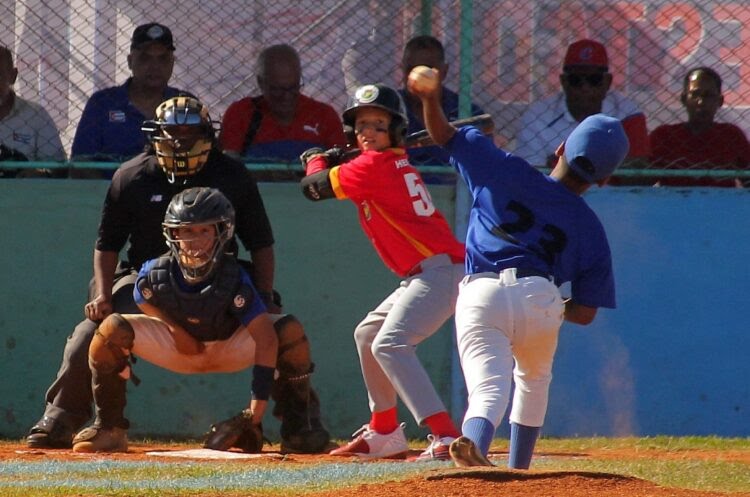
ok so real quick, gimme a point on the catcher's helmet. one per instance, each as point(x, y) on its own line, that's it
point(382, 97)
point(199, 206)
point(182, 135)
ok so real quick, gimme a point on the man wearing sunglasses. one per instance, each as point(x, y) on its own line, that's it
point(585, 82)
point(280, 123)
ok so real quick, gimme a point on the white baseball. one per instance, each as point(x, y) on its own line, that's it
point(424, 78)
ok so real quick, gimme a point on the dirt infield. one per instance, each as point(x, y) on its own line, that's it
point(443, 481)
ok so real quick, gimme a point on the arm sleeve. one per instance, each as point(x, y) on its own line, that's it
point(527, 141)
point(87, 140)
point(115, 223)
point(139, 282)
point(49, 146)
point(657, 147)
point(333, 129)
point(253, 227)
point(234, 126)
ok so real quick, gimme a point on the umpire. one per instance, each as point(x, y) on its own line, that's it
point(182, 153)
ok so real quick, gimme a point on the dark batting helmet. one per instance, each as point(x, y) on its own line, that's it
point(199, 206)
point(382, 97)
point(182, 135)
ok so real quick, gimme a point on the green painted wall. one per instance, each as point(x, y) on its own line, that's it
point(327, 272)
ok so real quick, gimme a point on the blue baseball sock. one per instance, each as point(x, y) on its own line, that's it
point(480, 431)
point(522, 442)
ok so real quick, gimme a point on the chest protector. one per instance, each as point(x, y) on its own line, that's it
point(210, 314)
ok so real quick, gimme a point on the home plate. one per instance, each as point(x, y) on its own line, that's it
point(211, 454)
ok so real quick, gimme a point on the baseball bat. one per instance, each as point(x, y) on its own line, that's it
point(423, 139)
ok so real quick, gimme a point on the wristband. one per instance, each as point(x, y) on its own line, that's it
point(262, 382)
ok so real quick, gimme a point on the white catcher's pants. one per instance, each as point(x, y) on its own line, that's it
point(498, 319)
point(154, 343)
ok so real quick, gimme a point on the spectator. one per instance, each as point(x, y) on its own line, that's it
point(27, 132)
point(281, 123)
point(183, 154)
point(586, 82)
point(427, 50)
point(110, 126)
point(700, 142)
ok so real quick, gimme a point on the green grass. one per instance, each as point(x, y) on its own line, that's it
point(667, 461)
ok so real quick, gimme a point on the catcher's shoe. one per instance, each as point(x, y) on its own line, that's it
point(50, 433)
point(308, 441)
point(465, 453)
point(98, 439)
point(369, 444)
point(436, 451)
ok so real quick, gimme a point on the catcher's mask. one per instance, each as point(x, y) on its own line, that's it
point(382, 97)
point(182, 136)
point(191, 211)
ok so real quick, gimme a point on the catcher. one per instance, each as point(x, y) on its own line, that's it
point(201, 314)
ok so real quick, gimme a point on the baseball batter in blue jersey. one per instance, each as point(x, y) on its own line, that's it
point(528, 233)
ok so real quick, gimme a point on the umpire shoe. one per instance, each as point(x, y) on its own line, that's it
point(369, 444)
point(437, 450)
point(98, 439)
point(465, 453)
point(50, 433)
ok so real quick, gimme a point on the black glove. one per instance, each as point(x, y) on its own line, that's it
point(334, 156)
point(237, 431)
point(308, 154)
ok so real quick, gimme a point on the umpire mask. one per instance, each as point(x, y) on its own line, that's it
point(182, 136)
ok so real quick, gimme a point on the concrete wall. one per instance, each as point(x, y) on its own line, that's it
point(672, 359)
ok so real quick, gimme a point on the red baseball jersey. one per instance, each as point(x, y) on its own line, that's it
point(395, 209)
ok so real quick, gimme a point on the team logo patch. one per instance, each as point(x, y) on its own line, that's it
point(586, 53)
point(367, 94)
point(116, 116)
point(147, 293)
point(239, 301)
point(21, 137)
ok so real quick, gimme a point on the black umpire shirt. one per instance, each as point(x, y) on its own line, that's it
point(139, 194)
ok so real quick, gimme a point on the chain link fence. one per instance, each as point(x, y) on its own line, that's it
point(67, 49)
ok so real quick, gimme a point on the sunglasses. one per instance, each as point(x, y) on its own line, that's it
point(577, 80)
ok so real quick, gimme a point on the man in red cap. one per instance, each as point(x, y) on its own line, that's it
point(586, 82)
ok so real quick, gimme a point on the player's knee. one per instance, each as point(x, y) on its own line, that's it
point(389, 344)
point(111, 344)
point(294, 348)
point(77, 346)
point(364, 335)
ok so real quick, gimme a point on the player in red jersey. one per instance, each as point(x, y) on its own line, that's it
point(415, 242)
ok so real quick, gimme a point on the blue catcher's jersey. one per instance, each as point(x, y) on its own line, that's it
point(523, 218)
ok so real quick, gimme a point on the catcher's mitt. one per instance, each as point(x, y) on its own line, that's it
point(237, 431)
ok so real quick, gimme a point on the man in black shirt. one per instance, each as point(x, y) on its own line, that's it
point(183, 155)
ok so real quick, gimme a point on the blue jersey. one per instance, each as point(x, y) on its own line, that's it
point(523, 218)
point(434, 155)
point(110, 126)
